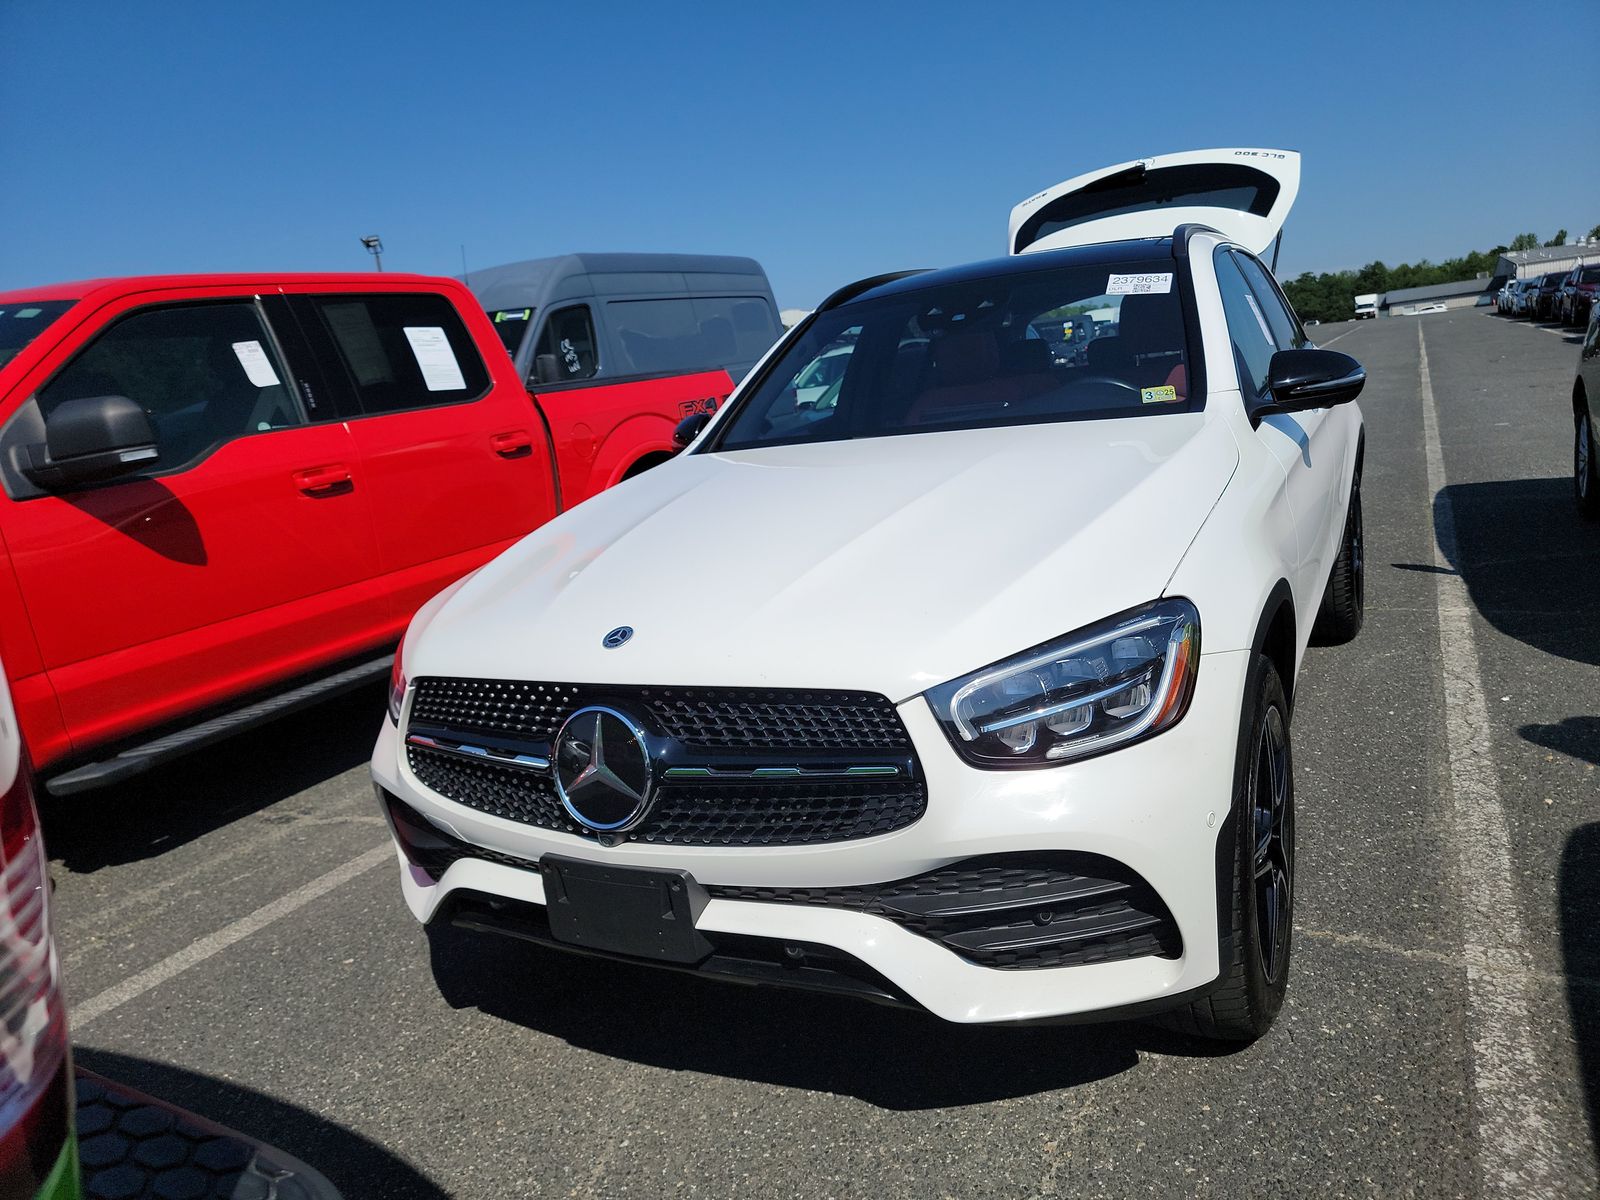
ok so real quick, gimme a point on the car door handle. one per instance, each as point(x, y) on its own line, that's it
point(324, 481)
point(513, 444)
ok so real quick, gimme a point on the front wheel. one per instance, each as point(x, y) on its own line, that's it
point(1585, 468)
point(1255, 966)
point(1344, 602)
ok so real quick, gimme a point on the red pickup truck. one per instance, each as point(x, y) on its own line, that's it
point(224, 496)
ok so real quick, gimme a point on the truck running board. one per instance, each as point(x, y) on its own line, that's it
point(137, 759)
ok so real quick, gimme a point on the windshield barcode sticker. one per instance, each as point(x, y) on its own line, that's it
point(1139, 285)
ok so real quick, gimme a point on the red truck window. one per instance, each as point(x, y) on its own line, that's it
point(403, 351)
point(206, 374)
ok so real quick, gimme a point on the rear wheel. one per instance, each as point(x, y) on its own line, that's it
point(1255, 965)
point(1585, 467)
point(1344, 602)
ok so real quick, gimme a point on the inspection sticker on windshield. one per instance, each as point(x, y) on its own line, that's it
point(1159, 395)
point(256, 364)
point(440, 371)
point(1139, 285)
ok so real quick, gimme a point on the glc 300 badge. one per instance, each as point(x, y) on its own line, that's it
point(603, 772)
point(617, 637)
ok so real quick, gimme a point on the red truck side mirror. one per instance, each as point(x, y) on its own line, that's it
point(89, 440)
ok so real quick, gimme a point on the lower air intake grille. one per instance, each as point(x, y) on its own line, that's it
point(1012, 912)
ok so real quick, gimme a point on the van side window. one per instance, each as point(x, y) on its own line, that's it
point(568, 335)
point(403, 351)
point(705, 333)
point(205, 373)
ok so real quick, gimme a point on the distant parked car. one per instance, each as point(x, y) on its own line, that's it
point(1515, 290)
point(1503, 295)
point(1577, 294)
point(1543, 299)
point(1585, 466)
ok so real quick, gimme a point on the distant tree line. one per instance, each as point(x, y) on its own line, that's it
point(1331, 296)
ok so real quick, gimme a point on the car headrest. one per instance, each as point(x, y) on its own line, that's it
point(965, 357)
point(1027, 356)
point(1150, 325)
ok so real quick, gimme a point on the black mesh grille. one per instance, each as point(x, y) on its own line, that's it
point(791, 726)
point(705, 718)
point(1012, 912)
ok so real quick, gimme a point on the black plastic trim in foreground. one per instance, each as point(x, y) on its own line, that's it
point(135, 1147)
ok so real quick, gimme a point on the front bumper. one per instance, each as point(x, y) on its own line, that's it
point(1157, 808)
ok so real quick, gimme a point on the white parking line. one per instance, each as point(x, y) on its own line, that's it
point(1331, 341)
point(196, 952)
point(1511, 1089)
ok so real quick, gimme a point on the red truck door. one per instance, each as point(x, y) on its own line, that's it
point(454, 459)
point(244, 555)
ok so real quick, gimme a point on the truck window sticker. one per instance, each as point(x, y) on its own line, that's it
point(257, 366)
point(437, 361)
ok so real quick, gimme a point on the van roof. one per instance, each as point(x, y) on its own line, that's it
point(538, 282)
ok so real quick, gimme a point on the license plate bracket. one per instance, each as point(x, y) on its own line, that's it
point(624, 910)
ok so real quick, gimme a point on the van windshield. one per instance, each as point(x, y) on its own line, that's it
point(1073, 344)
point(23, 320)
point(511, 324)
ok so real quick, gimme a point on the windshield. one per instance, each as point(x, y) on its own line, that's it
point(511, 324)
point(1073, 344)
point(24, 320)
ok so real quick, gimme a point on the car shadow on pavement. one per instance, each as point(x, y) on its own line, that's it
point(1579, 883)
point(892, 1058)
point(1530, 563)
point(1578, 737)
point(355, 1165)
point(201, 792)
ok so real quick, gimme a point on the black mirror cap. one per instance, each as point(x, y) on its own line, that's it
point(92, 439)
point(546, 368)
point(689, 428)
point(1302, 379)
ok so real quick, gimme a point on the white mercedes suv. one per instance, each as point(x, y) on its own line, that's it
point(965, 685)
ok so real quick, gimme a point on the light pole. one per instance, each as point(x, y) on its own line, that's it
point(374, 245)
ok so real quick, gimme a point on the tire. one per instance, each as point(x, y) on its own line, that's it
point(1344, 602)
point(1585, 466)
point(1256, 948)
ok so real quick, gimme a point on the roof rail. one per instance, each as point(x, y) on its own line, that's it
point(851, 290)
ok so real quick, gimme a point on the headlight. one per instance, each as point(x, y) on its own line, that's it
point(397, 679)
point(1124, 679)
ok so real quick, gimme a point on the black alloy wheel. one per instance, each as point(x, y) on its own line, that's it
point(1585, 467)
point(1274, 846)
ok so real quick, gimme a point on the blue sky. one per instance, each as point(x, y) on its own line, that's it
point(828, 141)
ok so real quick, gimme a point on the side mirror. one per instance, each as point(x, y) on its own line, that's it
point(90, 440)
point(546, 368)
point(1302, 379)
point(689, 428)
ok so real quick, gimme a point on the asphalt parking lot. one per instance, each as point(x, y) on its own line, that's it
point(234, 941)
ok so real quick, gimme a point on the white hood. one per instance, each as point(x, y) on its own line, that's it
point(885, 565)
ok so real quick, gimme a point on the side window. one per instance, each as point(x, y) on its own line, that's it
point(733, 329)
point(1285, 328)
point(1253, 345)
point(660, 337)
point(403, 351)
point(205, 373)
point(568, 334)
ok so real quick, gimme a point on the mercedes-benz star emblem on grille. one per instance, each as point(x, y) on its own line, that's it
point(603, 772)
point(617, 637)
